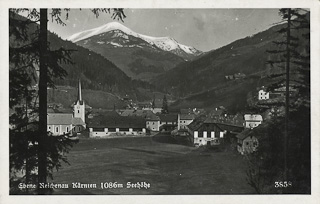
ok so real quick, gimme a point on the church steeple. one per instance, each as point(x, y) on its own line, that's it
point(79, 105)
point(79, 91)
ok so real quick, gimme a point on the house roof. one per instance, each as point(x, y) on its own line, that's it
point(116, 121)
point(168, 117)
point(244, 134)
point(77, 121)
point(253, 117)
point(147, 114)
point(187, 116)
point(216, 112)
point(197, 122)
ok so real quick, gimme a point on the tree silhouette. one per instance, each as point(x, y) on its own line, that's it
point(289, 134)
point(164, 105)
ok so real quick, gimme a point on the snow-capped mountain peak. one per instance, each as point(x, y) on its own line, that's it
point(164, 43)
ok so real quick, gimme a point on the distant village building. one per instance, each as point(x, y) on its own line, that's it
point(152, 120)
point(153, 124)
point(235, 76)
point(168, 122)
point(184, 120)
point(65, 123)
point(207, 133)
point(263, 94)
point(111, 124)
point(247, 143)
point(239, 76)
point(252, 120)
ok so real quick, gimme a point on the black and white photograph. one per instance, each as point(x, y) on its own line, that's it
point(171, 101)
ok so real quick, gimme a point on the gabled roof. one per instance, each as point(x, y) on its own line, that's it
point(244, 134)
point(116, 121)
point(253, 117)
point(187, 116)
point(59, 118)
point(77, 121)
point(168, 117)
point(63, 119)
point(147, 114)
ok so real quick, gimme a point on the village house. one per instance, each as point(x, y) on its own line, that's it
point(252, 120)
point(263, 94)
point(111, 124)
point(168, 122)
point(152, 120)
point(184, 120)
point(206, 133)
point(246, 143)
point(153, 123)
point(239, 76)
point(65, 123)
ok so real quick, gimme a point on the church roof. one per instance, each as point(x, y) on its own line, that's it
point(59, 118)
point(63, 119)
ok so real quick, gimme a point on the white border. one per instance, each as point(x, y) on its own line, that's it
point(314, 5)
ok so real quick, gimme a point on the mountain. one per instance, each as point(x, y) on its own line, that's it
point(139, 56)
point(203, 82)
point(96, 72)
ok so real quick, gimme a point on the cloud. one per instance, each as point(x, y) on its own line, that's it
point(199, 23)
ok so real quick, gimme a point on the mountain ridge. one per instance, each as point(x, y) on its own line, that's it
point(163, 43)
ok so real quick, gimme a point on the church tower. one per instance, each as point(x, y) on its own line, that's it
point(79, 106)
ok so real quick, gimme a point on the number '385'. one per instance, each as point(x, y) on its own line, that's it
point(282, 184)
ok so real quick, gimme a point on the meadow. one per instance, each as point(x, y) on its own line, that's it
point(169, 168)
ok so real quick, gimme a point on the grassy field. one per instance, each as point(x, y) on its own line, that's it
point(169, 168)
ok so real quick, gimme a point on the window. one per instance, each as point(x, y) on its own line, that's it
point(67, 129)
point(49, 128)
point(152, 123)
point(57, 129)
point(78, 111)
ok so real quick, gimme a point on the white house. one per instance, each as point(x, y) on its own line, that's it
point(207, 133)
point(263, 95)
point(153, 123)
point(252, 120)
point(112, 124)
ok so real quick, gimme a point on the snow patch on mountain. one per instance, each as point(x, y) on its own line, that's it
point(164, 43)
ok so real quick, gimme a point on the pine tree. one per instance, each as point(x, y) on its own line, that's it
point(164, 105)
point(289, 134)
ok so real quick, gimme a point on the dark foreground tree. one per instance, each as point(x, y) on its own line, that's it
point(34, 152)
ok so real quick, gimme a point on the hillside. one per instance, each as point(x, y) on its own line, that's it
point(95, 71)
point(205, 82)
point(96, 99)
point(246, 56)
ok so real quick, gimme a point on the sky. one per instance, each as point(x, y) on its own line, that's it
point(204, 29)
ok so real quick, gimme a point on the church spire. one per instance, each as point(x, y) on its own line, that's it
point(79, 91)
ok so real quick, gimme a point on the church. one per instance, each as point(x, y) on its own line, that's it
point(68, 123)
